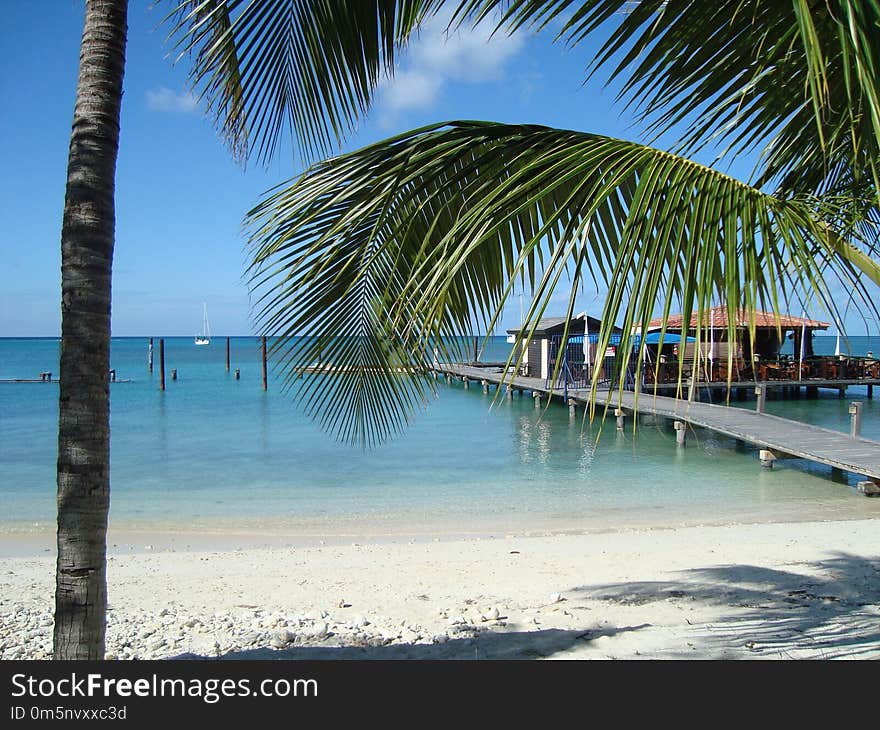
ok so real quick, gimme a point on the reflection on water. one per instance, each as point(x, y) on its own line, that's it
point(264, 423)
point(587, 453)
point(162, 424)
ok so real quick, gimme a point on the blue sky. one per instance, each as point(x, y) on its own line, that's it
point(181, 199)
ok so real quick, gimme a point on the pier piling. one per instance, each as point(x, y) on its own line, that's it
point(537, 396)
point(680, 432)
point(572, 407)
point(227, 354)
point(162, 363)
point(761, 398)
point(855, 419)
point(174, 373)
point(237, 374)
point(263, 358)
point(767, 458)
point(620, 418)
point(485, 384)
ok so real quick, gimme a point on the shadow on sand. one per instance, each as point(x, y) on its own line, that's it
point(486, 645)
point(831, 611)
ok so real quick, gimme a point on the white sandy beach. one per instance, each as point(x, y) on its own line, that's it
point(792, 590)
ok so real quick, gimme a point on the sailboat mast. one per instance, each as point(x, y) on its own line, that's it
point(204, 337)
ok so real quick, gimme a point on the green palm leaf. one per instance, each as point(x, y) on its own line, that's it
point(402, 246)
point(797, 79)
point(266, 68)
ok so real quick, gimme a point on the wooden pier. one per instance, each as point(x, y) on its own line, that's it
point(775, 437)
point(770, 386)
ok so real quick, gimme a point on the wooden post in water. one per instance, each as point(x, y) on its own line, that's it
point(161, 363)
point(174, 373)
point(537, 396)
point(761, 397)
point(485, 384)
point(620, 418)
point(855, 419)
point(227, 354)
point(150, 355)
point(680, 432)
point(263, 358)
point(572, 407)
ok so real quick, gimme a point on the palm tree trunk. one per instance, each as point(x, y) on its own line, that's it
point(87, 236)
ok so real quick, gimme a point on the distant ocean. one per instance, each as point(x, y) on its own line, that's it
point(215, 454)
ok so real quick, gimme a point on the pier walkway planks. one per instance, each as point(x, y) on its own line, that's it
point(782, 436)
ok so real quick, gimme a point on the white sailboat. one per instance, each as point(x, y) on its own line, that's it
point(204, 337)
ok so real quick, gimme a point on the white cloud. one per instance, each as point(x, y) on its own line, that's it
point(164, 99)
point(468, 55)
point(435, 57)
point(412, 89)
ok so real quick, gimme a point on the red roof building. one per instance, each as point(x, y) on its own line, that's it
point(769, 326)
point(716, 317)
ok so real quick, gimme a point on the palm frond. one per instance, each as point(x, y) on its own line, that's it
point(276, 67)
point(404, 244)
point(796, 79)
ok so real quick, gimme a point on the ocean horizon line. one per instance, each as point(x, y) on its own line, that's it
point(187, 336)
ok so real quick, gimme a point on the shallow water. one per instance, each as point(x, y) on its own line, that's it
point(213, 453)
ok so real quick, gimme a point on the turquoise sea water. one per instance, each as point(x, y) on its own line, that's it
point(215, 454)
